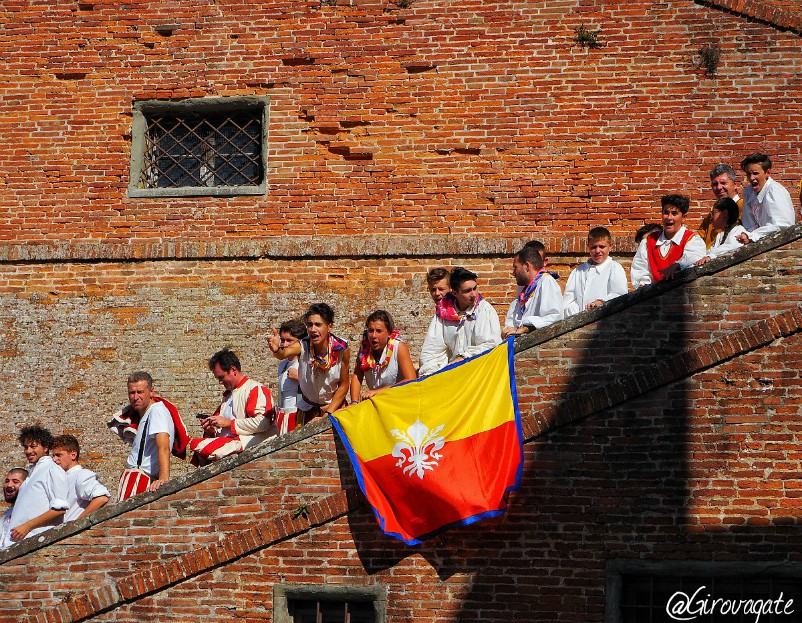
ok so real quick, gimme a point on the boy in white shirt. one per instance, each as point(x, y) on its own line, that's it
point(661, 255)
point(464, 325)
point(767, 204)
point(598, 280)
point(85, 494)
point(42, 498)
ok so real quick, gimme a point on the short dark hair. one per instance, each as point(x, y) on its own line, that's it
point(646, 230)
point(537, 246)
point(38, 434)
point(757, 158)
point(136, 377)
point(529, 253)
point(597, 233)
point(18, 470)
point(295, 327)
point(320, 309)
point(226, 359)
point(459, 275)
point(681, 202)
point(69, 443)
point(437, 274)
point(381, 315)
point(723, 169)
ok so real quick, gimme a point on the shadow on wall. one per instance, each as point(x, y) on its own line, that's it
point(611, 485)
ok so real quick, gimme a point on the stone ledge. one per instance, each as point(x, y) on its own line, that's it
point(780, 13)
point(290, 247)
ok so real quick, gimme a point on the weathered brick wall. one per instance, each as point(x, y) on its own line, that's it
point(664, 427)
point(72, 332)
point(486, 119)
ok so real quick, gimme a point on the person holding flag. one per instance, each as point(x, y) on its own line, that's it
point(464, 325)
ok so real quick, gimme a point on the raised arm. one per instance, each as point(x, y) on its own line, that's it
point(280, 352)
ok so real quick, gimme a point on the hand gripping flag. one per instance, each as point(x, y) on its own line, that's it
point(438, 452)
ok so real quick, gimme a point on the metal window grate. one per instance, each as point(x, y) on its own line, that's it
point(644, 597)
point(311, 611)
point(203, 150)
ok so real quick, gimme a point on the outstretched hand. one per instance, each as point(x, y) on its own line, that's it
point(274, 342)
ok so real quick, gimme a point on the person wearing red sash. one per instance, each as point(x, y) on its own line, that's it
point(245, 417)
point(661, 255)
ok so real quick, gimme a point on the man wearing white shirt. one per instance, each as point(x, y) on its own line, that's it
point(767, 204)
point(14, 480)
point(42, 498)
point(86, 493)
point(598, 280)
point(662, 255)
point(148, 465)
point(464, 325)
point(539, 302)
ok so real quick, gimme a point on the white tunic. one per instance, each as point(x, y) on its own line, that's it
point(5, 529)
point(83, 487)
point(378, 377)
point(446, 339)
point(317, 386)
point(543, 308)
point(768, 211)
point(157, 419)
point(44, 489)
point(594, 282)
point(287, 387)
point(720, 247)
point(695, 250)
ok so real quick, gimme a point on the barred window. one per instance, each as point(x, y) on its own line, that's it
point(211, 146)
point(311, 611)
point(308, 603)
point(671, 591)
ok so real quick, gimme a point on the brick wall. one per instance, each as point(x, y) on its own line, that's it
point(486, 119)
point(664, 426)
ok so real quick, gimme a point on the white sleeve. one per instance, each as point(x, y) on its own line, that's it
point(695, 250)
point(730, 243)
point(88, 487)
point(617, 286)
point(57, 489)
point(486, 331)
point(639, 273)
point(779, 210)
point(570, 304)
point(433, 353)
point(549, 307)
point(509, 321)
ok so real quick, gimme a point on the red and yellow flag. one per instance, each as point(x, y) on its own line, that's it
point(441, 451)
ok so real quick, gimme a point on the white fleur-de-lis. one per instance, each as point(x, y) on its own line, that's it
point(418, 447)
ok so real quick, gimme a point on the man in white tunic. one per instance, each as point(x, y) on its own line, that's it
point(464, 325)
point(42, 498)
point(598, 280)
point(86, 493)
point(539, 302)
point(14, 480)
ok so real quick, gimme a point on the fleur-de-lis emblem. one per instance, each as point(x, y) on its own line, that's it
point(418, 447)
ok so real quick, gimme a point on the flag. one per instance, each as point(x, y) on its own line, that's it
point(441, 451)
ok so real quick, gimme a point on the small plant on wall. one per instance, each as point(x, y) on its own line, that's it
point(709, 59)
point(587, 38)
